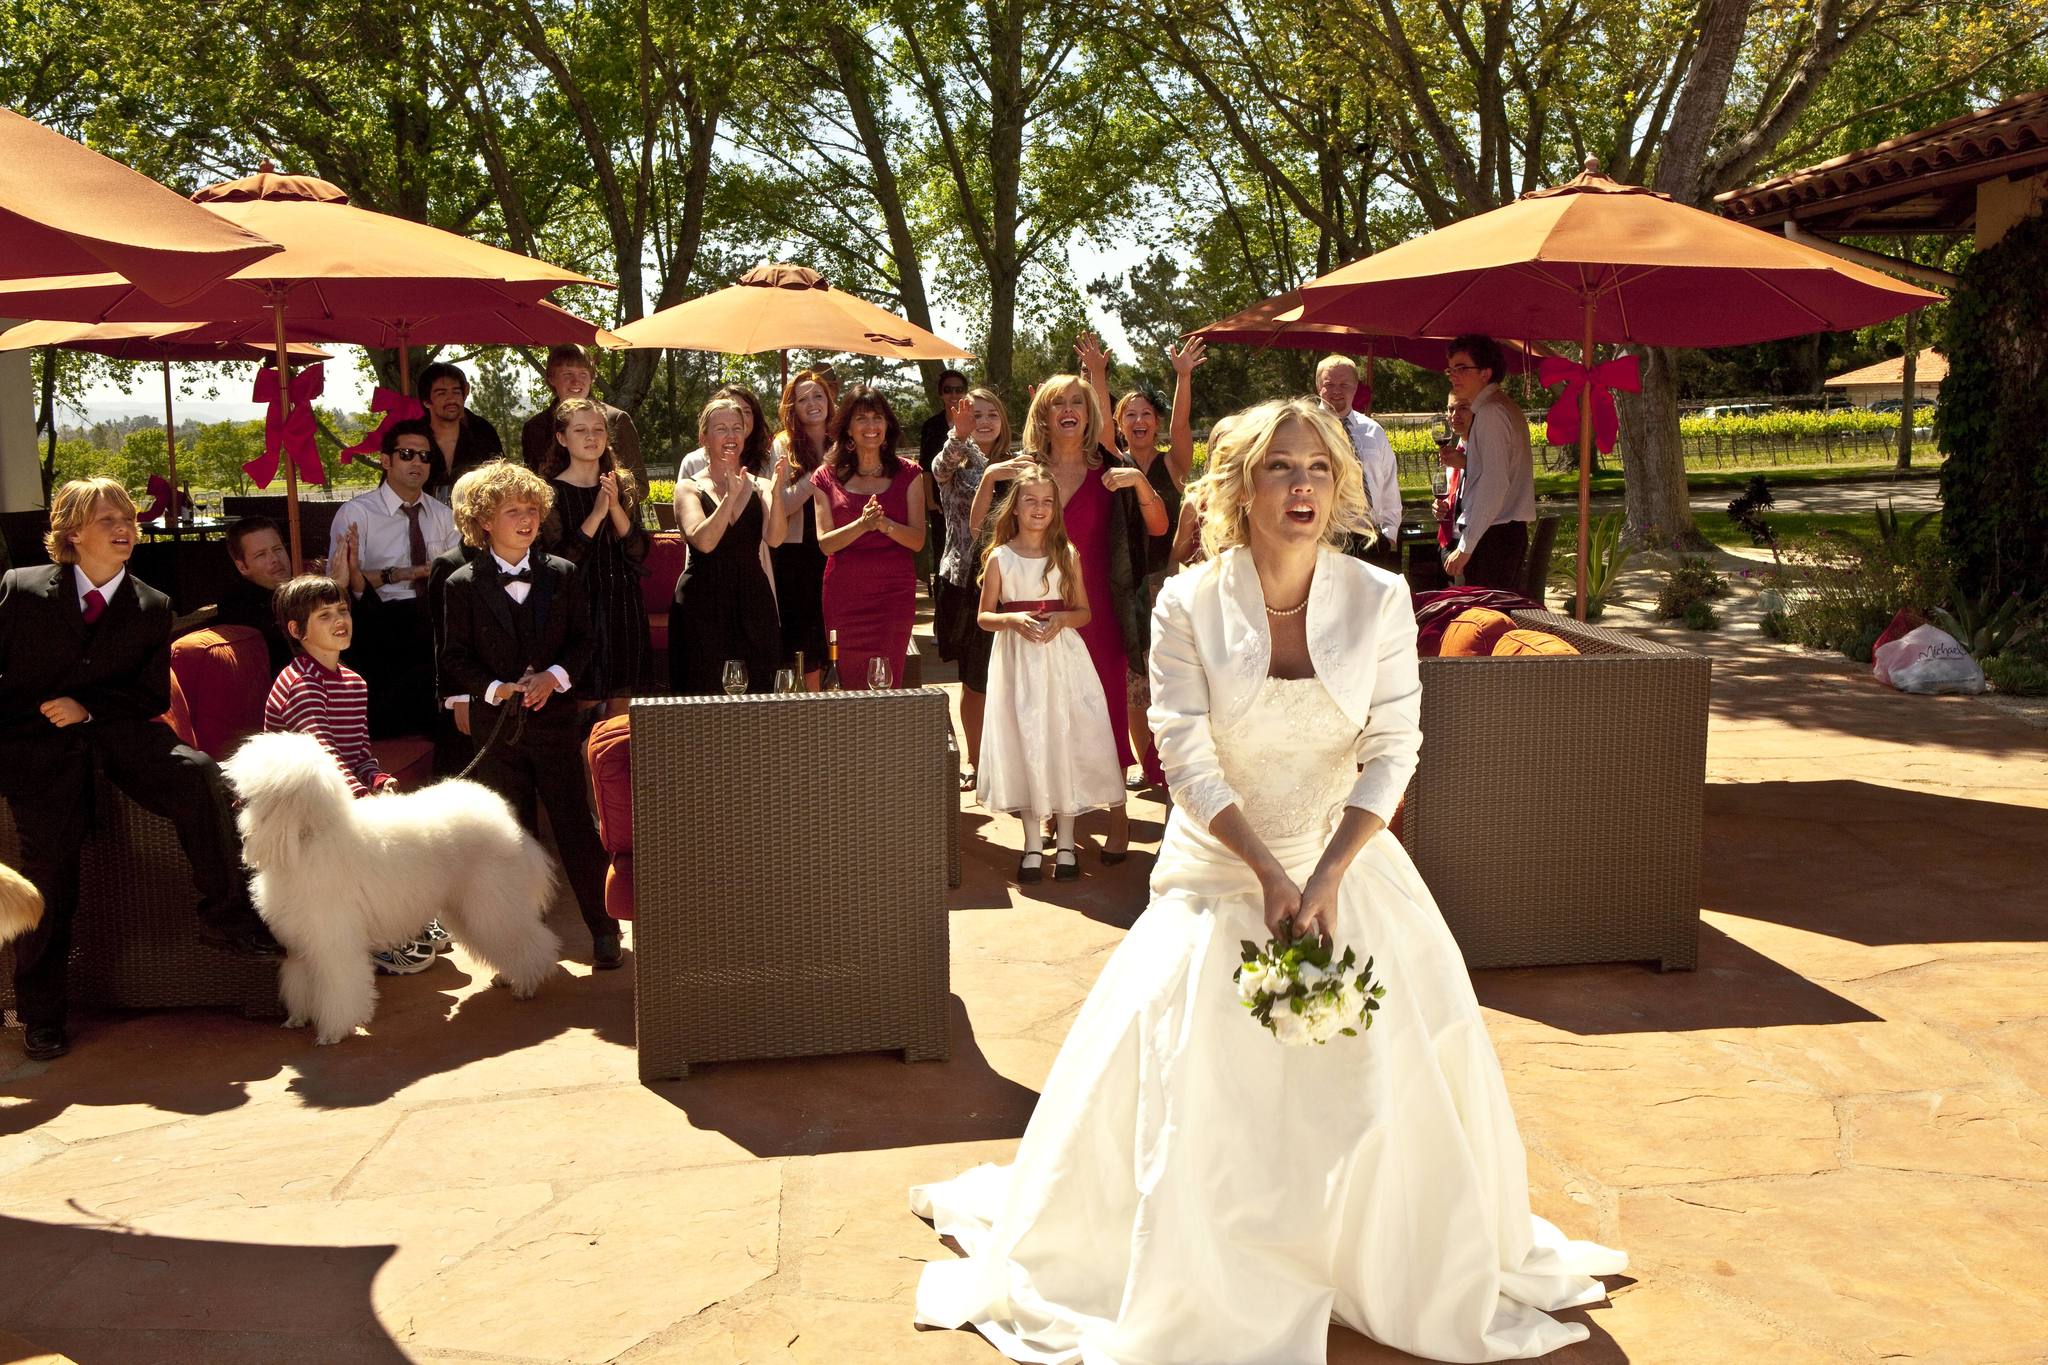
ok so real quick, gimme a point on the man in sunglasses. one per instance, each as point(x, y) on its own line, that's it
point(1498, 492)
point(398, 530)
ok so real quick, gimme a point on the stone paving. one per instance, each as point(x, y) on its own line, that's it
point(1830, 1143)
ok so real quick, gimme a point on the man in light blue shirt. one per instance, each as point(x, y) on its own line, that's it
point(1336, 386)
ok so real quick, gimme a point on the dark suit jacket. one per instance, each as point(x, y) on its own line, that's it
point(487, 637)
point(118, 669)
point(245, 604)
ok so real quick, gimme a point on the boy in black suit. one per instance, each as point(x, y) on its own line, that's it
point(515, 632)
point(85, 672)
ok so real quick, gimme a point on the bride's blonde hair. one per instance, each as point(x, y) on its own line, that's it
point(1226, 486)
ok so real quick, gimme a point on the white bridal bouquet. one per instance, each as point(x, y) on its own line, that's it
point(1296, 990)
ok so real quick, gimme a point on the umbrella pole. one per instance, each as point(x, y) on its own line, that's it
point(1585, 461)
point(171, 445)
point(404, 362)
point(284, 411)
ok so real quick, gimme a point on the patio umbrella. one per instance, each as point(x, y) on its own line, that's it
point(785, 308)
point(1278, 321)
point(345, 271)
point(142, 341)
point(67, 210)
point(1593, 260)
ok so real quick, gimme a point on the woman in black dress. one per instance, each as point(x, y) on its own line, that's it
point(806, 413)
point(724, 605)
point(596, 526)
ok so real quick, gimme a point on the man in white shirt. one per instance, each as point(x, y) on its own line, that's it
point(397, 531)
point(1336, 386)
point(1499, 485)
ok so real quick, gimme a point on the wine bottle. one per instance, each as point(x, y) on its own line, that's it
point(801, 686)
point(830, 682)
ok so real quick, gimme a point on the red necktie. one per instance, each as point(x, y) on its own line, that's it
point(95, 604)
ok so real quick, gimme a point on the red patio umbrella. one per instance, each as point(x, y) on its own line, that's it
point(67, 210)
point(341, 267)
point(1278, 321)
point(1593, 260)
point(139, 341)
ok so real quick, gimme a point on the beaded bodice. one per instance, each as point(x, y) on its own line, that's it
point(1290, 759)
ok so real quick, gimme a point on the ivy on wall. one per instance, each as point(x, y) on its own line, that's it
point(1993, 418)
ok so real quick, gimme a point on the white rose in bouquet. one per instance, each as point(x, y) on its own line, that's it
point(1290, 1028)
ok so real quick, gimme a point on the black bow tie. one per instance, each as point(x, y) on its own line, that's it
point(515, 575)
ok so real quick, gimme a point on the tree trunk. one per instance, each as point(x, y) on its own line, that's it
point(46, 420)
point(1656, 501)
point(1906, 396)
point(1002, 333)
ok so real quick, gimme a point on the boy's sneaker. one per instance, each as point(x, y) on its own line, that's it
point(434, 938)
point(401, 960)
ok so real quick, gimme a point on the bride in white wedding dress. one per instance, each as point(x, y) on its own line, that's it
point(1189, 1189)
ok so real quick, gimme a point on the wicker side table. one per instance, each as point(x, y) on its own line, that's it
point(832, 938)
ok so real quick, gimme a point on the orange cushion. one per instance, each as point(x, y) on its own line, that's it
point(1472, 633)
point(618, 887)
point(1531, 642)
point(224, 673)
point(609, 751)
point(179, 717)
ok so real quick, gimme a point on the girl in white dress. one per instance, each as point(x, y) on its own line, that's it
point(1189, 1189)
point(1046, 748)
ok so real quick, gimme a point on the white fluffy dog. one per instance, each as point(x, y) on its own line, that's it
point(337, 877)
point(21, 905)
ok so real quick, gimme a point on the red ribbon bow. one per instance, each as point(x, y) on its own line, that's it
point(1622, 372)
point(294, 435)
point(163, 498)
point(396, 407)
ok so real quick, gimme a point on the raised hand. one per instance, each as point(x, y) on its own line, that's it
point(1093, 359)
point(1122, 476)
point(1002, 471)
point(960, 412)
point(737, 485)
point(1189, 357)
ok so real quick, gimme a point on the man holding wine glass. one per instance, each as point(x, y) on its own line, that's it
point(1447, 477)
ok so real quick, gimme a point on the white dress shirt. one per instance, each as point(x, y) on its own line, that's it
point(518, 592)
point(383, 534)
point(1382, 473)
point(1500, 472)
point(105, 590)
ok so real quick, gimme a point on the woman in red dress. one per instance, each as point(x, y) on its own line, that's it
point(1111, 511)
point(871, 520)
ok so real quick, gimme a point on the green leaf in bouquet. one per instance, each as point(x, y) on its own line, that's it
point(1348, 1032)
point(1249, 949)
point(1294, 1003)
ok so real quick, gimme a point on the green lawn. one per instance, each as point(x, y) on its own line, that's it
point(1565, 486)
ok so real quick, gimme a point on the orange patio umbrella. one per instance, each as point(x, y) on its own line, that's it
point(1595, 261)
point(67, 210)
point(785, 308)
point(343, 272)
point(144, 341)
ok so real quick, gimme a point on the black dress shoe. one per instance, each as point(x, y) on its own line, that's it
point(1065, 867)
point(253, 939)
point(1031, 869)
point(604, 952)
point(46, 1042)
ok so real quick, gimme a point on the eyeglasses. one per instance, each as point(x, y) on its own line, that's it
point(1460, 369)
point(404, 454)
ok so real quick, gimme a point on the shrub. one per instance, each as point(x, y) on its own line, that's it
point(1699, 615)
point(2017, 675)
point(1845, 591)
point(1608, 554)
point(1691, 581)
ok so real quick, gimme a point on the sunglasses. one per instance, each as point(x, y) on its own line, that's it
point(403, 455)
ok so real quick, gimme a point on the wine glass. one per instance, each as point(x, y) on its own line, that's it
point(1440, 431)
point(1440, 481)
point(735, 677)
point(785, 680)
point(879, 679)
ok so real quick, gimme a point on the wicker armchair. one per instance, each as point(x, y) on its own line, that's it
point(831, 939)
point(1557, 809)
point(135, 944)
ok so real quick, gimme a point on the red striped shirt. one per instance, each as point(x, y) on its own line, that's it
point(333, 706)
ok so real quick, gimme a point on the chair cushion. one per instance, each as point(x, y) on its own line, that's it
point(609, 751)
point(408, 758)
point(664, 565)
point(618, 887)
point(179, 717)
point(1473, 632)
point(224, 672)
point(1531, 642)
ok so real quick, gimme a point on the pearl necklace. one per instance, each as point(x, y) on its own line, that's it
point(1291, 611)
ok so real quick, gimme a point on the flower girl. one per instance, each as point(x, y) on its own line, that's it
point(1046, 748)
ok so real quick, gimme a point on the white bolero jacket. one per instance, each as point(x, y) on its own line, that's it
point(1211, 649)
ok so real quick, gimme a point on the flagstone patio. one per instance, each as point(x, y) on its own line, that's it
point(1830, 1143)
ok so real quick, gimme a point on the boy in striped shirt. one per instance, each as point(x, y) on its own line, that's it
point(316, 694)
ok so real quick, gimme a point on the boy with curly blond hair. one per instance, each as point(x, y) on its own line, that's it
point(514, 633)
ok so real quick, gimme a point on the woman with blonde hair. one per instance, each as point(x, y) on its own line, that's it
point(1110, 511)
point(806, 416)
point(1189, 1187)
point(724, 604)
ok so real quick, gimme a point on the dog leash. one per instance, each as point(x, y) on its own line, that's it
point(515, 715)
